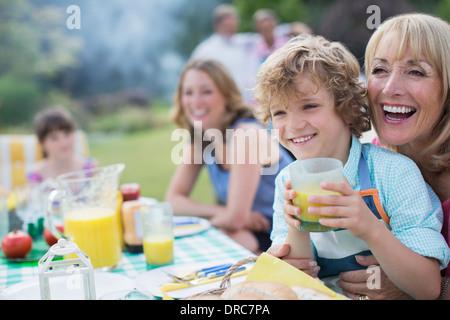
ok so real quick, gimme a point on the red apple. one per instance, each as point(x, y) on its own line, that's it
point(49, 237)
point(16, 244)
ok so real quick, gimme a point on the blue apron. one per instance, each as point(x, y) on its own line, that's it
point(340, 244)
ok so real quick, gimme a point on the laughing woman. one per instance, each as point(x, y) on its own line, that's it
point(242, 162)
point(408, 72)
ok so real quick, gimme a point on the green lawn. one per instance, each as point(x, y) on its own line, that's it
point(147, 156)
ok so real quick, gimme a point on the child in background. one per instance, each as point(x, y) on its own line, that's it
point(55, 130)
point(309, 89)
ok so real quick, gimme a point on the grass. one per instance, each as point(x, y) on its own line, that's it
point(147, 156)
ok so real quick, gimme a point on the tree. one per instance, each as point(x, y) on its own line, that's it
point(57, 48)
point(346, 21)
point(35, 49)
point(443, 9)
point(17, 54)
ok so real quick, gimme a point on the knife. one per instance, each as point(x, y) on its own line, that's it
point(202, 272)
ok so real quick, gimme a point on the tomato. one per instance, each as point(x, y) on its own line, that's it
point(16, 244)
point(49, 237)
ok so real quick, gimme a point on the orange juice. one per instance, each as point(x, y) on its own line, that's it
point(308, 221)
point(95, 230)
point(158, 249)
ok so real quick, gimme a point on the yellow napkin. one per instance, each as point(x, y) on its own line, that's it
point(270, 268)
point(170, 286)
point(167, 297)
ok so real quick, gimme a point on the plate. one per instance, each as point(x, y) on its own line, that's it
point(152, 280)
point(68, 288)
point(186, 226)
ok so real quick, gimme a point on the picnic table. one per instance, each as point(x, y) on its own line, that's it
point(210, 245)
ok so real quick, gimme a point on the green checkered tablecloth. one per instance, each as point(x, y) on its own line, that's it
point(209, 245)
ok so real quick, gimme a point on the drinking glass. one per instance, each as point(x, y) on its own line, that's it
point(306, 177)
point(157, 237)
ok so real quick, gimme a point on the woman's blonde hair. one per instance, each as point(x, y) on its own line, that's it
point(329, 63)
point(426, 35)
point(235, 108)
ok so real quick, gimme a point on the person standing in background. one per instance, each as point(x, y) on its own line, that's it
point(229, 47)
point(265, 22)
point(269, 37)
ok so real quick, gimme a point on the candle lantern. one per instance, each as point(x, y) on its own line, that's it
point(82, 266)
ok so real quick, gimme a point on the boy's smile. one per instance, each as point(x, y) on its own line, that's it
point(303, 139)
point(309, 125)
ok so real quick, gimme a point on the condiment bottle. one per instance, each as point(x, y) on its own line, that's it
point(130, 191)
point(132, 229)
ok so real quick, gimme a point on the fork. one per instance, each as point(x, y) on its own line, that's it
point(195, 279)
point(179, 279)
point(199, 273)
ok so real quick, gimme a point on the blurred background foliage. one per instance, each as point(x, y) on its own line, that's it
point(117, 74)
point(128, 54)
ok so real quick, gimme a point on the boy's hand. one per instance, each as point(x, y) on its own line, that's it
point(289, 210)
point(350, 208)
point(306, 265)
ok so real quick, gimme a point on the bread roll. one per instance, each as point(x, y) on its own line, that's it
point(305, 293)
point(266, 290)
point(248, 296)
point(205, 297)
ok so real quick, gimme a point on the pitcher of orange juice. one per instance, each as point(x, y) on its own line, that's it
point(87, 206)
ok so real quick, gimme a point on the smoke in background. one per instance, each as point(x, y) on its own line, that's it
point(137, 43)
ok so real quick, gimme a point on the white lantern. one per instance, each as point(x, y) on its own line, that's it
point(82, 266)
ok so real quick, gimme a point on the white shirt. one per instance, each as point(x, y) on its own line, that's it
point(233, 53)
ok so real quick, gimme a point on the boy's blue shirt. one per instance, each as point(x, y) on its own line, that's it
point(413, 208)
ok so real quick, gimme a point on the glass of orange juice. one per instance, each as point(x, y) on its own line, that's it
point(306, 177)
point(157, 233)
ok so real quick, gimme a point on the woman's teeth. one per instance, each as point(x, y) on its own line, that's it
point(398, 113)
point(198, 113)
point(398, 109)
point(300, 140)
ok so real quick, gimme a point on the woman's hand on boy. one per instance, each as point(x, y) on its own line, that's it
point(355, 283)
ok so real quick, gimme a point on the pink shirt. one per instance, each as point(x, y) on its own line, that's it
point(37, 178)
